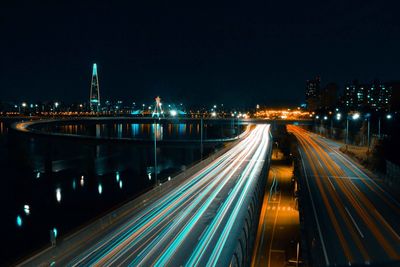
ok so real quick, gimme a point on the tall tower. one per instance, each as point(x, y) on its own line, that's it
point(94, 91)
point(157, 112)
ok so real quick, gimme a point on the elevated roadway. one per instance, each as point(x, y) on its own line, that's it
point(206, 220)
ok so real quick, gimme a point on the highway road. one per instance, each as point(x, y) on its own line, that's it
point(355, 220)
point(194, 224)
point(278, 230)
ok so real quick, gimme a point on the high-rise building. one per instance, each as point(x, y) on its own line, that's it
point(313, 93)
point(94, 99)
point(328, 96)
point(372, 97)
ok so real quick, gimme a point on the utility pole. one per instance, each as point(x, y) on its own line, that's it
point(201, 138)
point(155, 152)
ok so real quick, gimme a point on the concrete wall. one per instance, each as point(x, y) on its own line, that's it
point(249, 222)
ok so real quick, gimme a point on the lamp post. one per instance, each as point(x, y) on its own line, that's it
point(201, 138)
point(388, 117)
point(155, 152)
point(367, 116)
point(355, 116)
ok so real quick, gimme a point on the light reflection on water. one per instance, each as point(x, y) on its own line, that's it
point(68, 182)
point(164, 131)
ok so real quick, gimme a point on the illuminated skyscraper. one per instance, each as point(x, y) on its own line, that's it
point(94, 91)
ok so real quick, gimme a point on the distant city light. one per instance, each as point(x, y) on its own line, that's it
point(338, 116)
point(325, 117)
point(120, 184)
point(149, 175)
point(317, 117)
point(388, 116)
point(117, 176)
point(82, 181)
point(213, 114)
point(173, 113)
point(37, 175)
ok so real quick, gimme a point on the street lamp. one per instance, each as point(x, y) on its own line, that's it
point(369, 128)
point(388, 117)
point(155, 152)
point(355, 116)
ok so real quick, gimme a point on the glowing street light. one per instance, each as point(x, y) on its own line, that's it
point(356, 116)
point(173, 113)
point(388, 117)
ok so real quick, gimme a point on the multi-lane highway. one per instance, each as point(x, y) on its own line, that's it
point(355, 221)
point(191, 225)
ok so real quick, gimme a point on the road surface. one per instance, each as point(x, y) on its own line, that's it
point(191, 225)
point(356, 221)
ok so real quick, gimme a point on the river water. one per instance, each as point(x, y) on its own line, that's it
point(64, 183)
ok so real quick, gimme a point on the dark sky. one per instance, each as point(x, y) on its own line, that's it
point(193, 51)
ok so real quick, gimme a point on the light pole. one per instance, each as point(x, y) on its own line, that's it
point(347, 130)
point(201, 138)
point(155, 152)
point(355, 116)
point(388, 116)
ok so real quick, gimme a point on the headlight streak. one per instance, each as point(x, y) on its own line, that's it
point(147, 214)
point(207, 236)
point(177, 241)
point(148, 231)
point(186, 212)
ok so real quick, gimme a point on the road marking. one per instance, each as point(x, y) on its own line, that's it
point(273, 233)
point(354, 222)
point(331, 183)
point(355, 185)
point(315, 212)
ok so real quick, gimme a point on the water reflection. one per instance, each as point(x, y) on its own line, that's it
point(58, 195)
point(100, 189)
point(19, 221)
point(135, 129)
point(164, 130)
point(27, 209)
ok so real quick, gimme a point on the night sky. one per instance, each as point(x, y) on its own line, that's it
point(193, 51)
